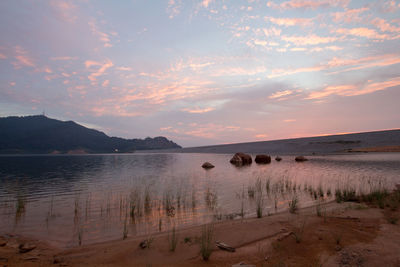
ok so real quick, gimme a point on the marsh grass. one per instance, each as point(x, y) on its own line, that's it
point(328, 192)
point(80, 236)
point(135, 204)
point(267, 185)
point(125, 231)
point(211, 199)
point(318, 209)
point(298, 232)
point(251, 191)
point(194, 201)
point(172, 239)
point(259, 198)
point(337, 236)
point(346, 194)
point(20, 208)
point(320, 191)
point(147, 200)
point(376, 196)
point(206, 241)
point(242, 197)
point(293, 204)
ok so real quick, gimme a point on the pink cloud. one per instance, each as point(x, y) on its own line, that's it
point(287, 71)
point(384, 26)
point(65, 10)
point(124, 68)
point(174, 8)
point(279, 94)
point(100, 71)
point(103, 37)
point(309, 4)
point(198, 110)
point(23, 59)
point(290, 21)
point(362, 32)
point(349, 16)
point(2, 56)
point(365, 62)
point(353, 90)
point(116, 110)
point(272, 31)
point(206, 3)
point(335, 62)
point(311, 39)
point(105, 83)
point(63, 58)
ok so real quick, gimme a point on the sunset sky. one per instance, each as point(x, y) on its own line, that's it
point(204, 72)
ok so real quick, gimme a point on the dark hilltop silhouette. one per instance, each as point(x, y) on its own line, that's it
point(40, 134)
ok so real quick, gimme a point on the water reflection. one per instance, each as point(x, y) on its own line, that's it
point(94, 198)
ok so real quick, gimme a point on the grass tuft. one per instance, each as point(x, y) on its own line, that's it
point(293, 204)
point(206, 242)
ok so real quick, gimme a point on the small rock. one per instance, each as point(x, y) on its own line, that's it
point(207, 165)
point(338, 248)
point(26, 247)
point(300, 159)
point(263, 159)
point(3, 242)
point(278, 158)
point(31, 258)
point(144, 244)
point(240, 159)
point(57, 260)
point(266, 258)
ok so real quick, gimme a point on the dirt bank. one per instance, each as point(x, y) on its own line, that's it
point(346, 234)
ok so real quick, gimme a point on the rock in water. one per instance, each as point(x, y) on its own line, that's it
point(300, 159)
point(278, 158)
point(207, 165)
point(263, 159)
point(240, 159)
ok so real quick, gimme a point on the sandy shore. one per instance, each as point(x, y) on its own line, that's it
point(346, 234)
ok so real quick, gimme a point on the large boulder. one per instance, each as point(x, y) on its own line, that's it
point(207, 165)
point(300, 159)
point(240, 159)
point(263, 159)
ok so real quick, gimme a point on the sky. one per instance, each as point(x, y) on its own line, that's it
point(204, 72)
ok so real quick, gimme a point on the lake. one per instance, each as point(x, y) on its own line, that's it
point(70, 200)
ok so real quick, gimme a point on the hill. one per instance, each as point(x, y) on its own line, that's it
point(378, 141)
point(40, 134)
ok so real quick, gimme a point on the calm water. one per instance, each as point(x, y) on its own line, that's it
point(92, 198)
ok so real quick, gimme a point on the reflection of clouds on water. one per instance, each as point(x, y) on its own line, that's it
point(91, 197)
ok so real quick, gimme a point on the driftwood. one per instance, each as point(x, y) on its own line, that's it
point(242, 264)
point(224, 246)
point(284, 235)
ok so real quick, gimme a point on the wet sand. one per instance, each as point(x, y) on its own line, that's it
point(346, 234)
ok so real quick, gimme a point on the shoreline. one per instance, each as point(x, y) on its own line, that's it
point(254, 240)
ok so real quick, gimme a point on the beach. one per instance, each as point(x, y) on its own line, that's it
point(340, 234)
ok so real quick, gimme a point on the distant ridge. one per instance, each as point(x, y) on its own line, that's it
point(40, 134)
point(387, 140)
